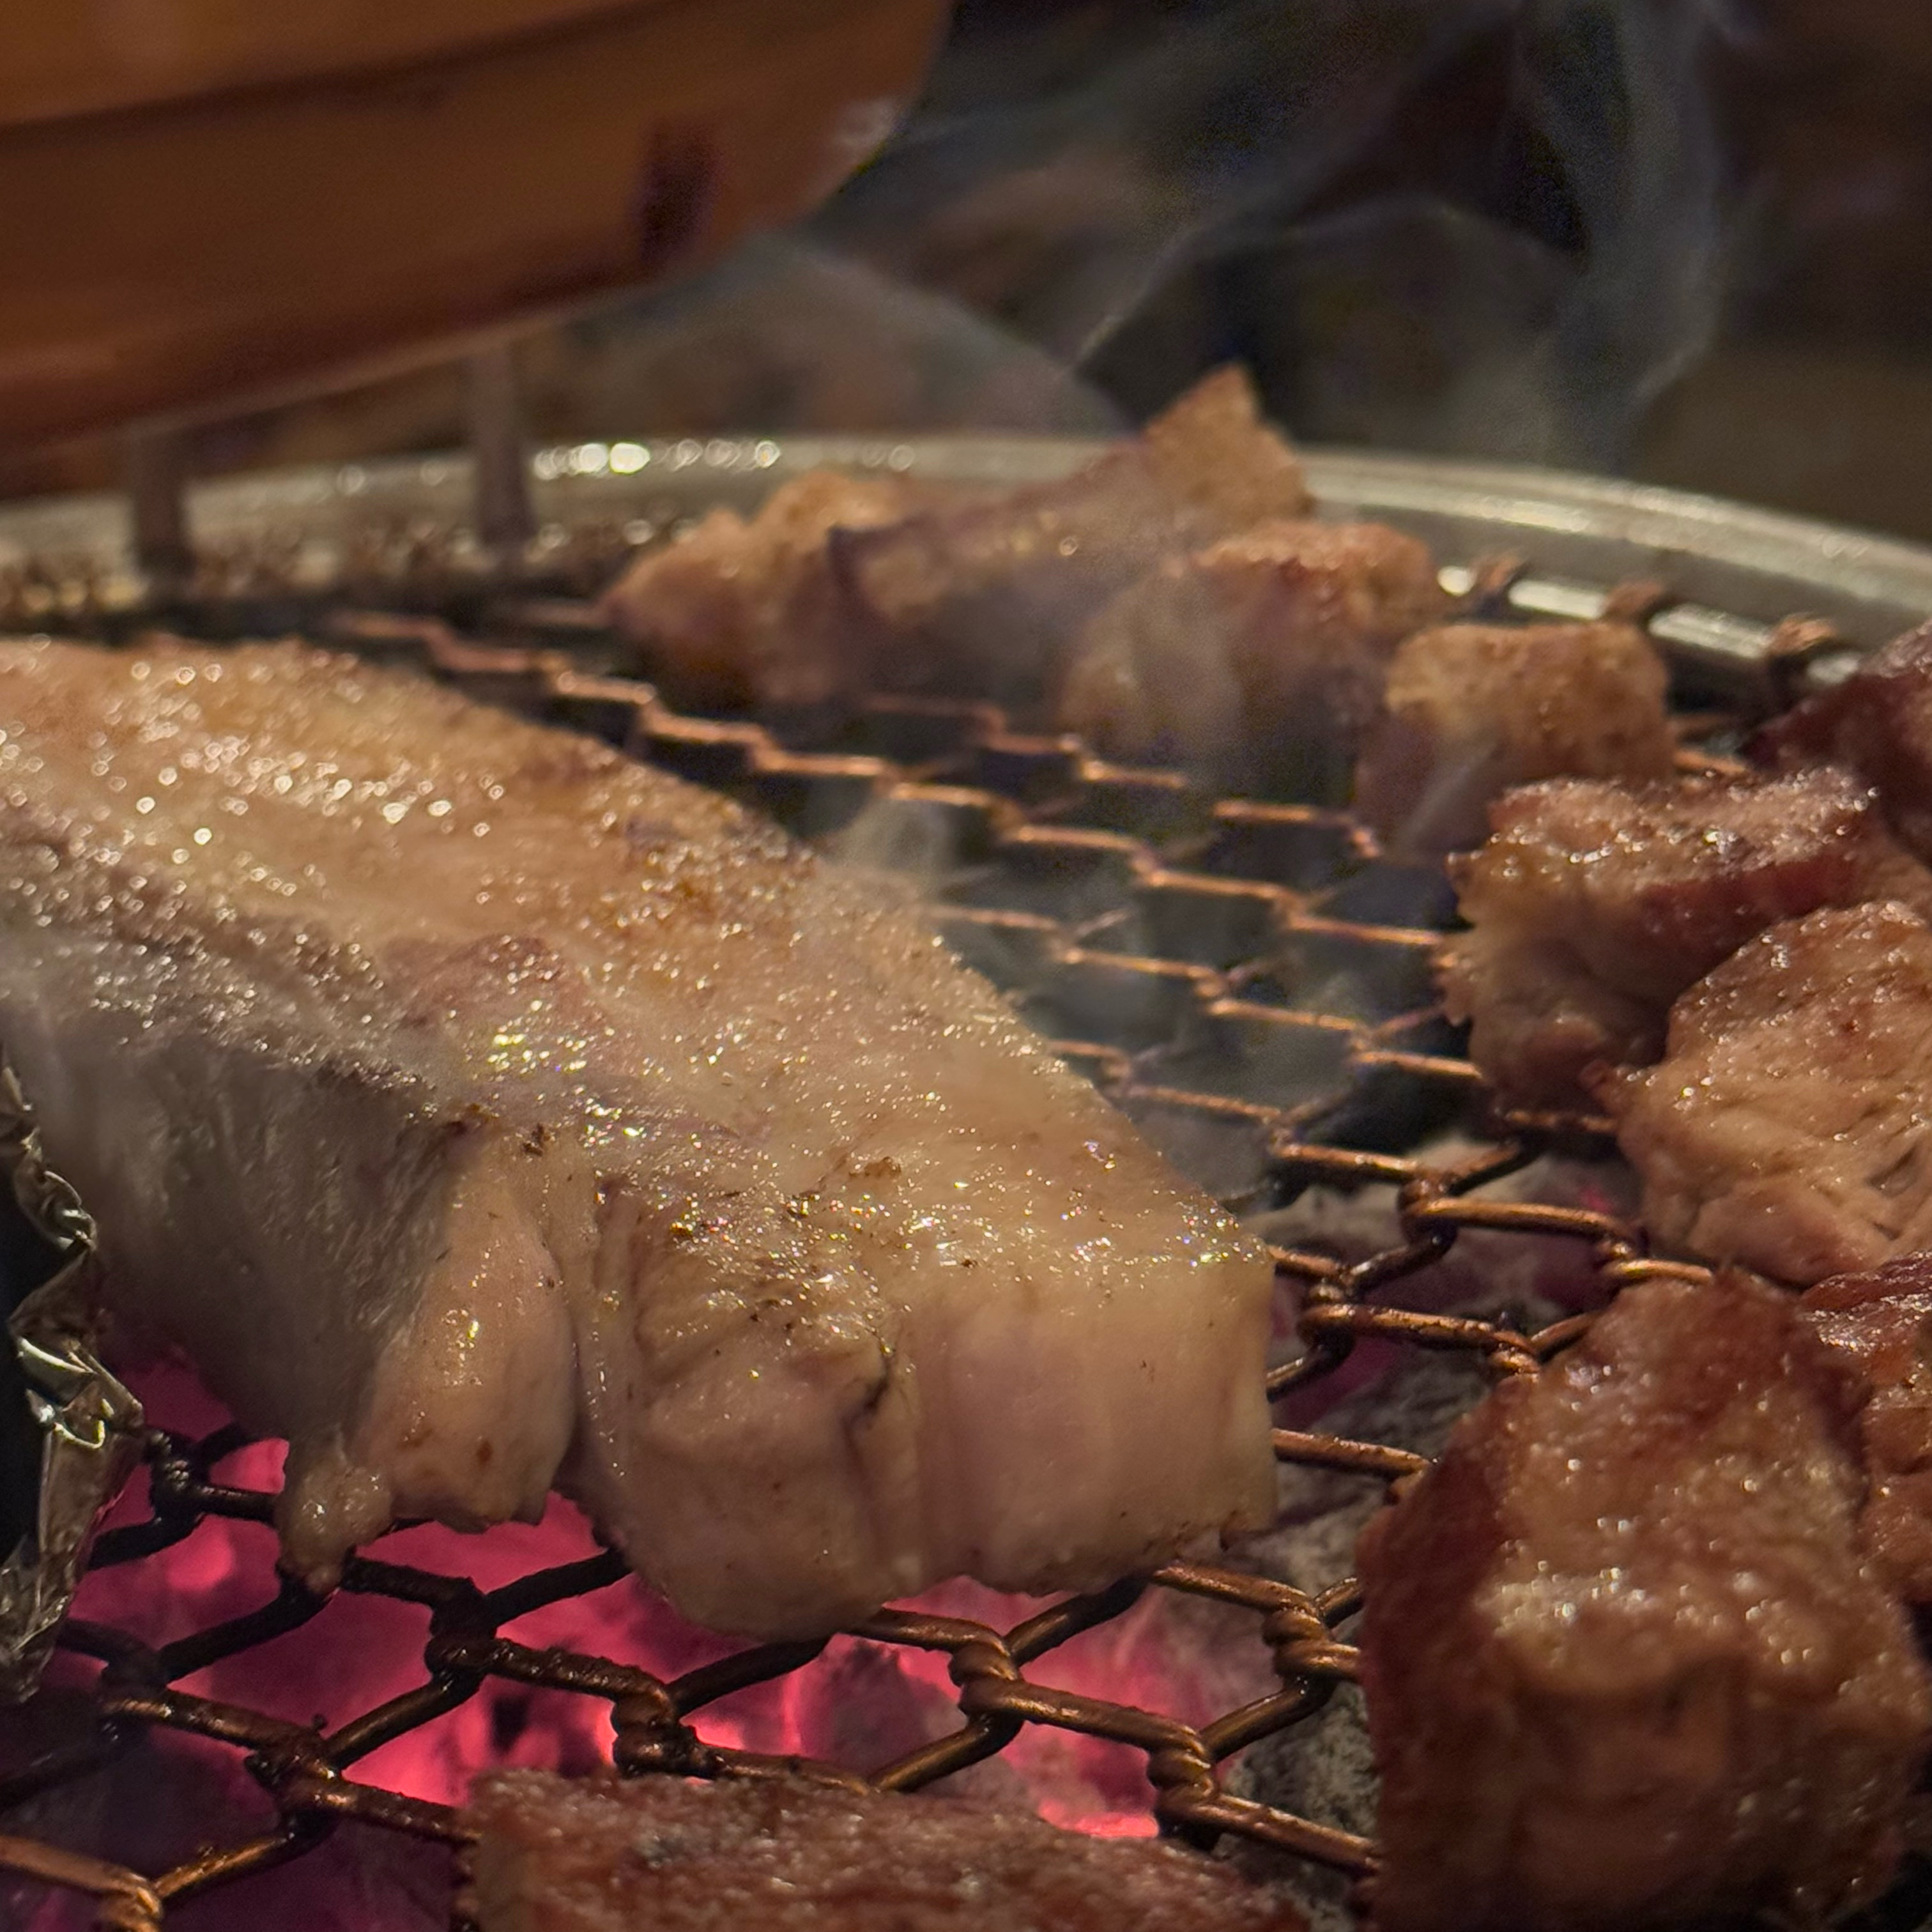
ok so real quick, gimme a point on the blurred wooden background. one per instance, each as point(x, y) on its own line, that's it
point(1405, 213)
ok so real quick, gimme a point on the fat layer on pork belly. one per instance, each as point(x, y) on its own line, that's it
point(481, 1110)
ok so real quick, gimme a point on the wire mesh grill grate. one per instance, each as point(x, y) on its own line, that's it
point(1250, 981)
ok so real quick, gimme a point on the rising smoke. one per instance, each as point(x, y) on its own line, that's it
point(1489, 226)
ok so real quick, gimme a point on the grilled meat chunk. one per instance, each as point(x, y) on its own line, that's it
point(1471, 710)
point(1624, 1666)
point(984, 598)
point(1788, 1126)
point(843, 583)
point(1879, 1325)
point(1879, 722)
point(1258, 659)
point(480, 1111)
point(570, 1855)
point(737, 613)
point(1595, 904)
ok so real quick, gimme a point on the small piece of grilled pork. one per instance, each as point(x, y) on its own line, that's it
point(844, 584)
point(1624, 1666)
point(736, 613)
point(1595, 904)
point(1258, 660)
point(1788, 1126)
point(480, 1111)
point(781, 1855)
point(985, 599)
point(1471, 710)
point(1879, 723)
point(1878, 1326)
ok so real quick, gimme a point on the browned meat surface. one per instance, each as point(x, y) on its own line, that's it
point(568, 1854)
point(841, 583)
point(1625, 1667)
point(1879, 1324)
point(985, 598)
point(1471, 710)
point(1258, 658)
point(1788, 1125)
point(736, 613)
point(1211, 448)
point(1594, 904)
point(1879, 722)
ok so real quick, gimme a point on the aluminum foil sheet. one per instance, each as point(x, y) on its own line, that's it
point(70, 1432)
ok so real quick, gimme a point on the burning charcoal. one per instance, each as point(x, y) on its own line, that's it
point(1595, 904)
point(1786, 1127)
point(1471, 710)
point(1879, 722)
point(1879, 1325)
point(1623, 1666)
point(485, 1113)
point(1258, 659)
point(785, 1855)
point(736, 613)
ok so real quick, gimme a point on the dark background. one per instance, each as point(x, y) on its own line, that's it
point(1684, 240)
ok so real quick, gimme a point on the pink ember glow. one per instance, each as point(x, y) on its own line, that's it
point(861, 1705)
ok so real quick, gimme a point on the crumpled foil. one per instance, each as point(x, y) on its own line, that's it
point(70, 1434)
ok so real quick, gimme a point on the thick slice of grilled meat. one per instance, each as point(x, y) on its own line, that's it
point(481, 1110)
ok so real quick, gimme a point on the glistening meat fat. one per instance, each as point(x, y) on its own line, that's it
point(482, 1111)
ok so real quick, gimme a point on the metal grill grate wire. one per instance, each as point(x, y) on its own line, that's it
point(1253, 973)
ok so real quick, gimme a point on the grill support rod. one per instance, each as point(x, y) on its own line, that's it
point(504, 520)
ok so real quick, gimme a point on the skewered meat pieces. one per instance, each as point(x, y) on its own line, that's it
point(735, 613)
point(1258, 659)
point(1471, 710)
point(568, 1854)
point(1878, 722)
point(1879, 1326)
point(1624, 1666)
point(1595, 904)
point(481, 1110)
point(1788, 1126)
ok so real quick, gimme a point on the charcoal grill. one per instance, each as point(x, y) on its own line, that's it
point(1249, 978)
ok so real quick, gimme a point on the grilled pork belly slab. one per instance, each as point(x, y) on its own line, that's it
point(1595, 904)
point(1788, 1126)
point(780, 1855)
point(481, 1110)
point(1879, 722)
point(1878, 1326)
point(1624, 1666)
point(1471, 710)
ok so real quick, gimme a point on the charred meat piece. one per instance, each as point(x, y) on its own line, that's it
point(735, 613)
point(983, 599)
point(564, 1854)
point(481, 1110)
point(1879, 1325)
point(1624, 1666)
point(1594, 904)
point(1788, 1126)
point(1259, 659)
point(1471, 710)
point(1879, 722)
